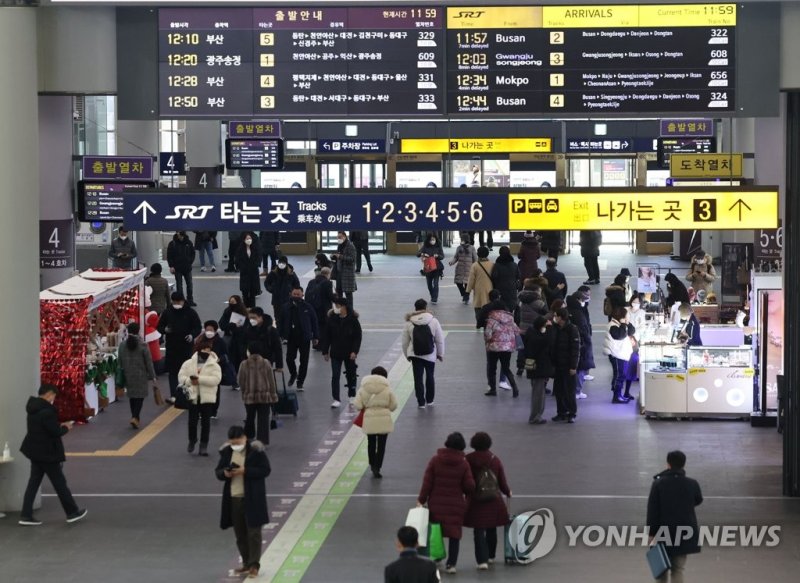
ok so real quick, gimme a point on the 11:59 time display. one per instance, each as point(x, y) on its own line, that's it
point(452, 212)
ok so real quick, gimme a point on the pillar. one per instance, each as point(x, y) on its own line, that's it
point(19, 223)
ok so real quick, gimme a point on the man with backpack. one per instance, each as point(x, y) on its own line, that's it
point(423, 345)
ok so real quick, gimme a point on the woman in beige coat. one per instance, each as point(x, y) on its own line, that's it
point(200, 376)
point(480, 280)
point(375, 396)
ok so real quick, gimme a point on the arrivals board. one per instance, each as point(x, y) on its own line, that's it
point(373, 61)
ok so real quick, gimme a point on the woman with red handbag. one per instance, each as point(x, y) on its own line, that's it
point(375, 401)
point(432, 255)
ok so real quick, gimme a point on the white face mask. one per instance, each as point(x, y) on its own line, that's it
point(281, 266)
point(253, 322)
point(431, 241)
point(210, 333)
point(635, 307)
point(340, 240)
point(542, 330)
point(237, 448)
point(337, 310)
point(583, 304)
point(177, 306)
point(248, 241)
point(123, 237)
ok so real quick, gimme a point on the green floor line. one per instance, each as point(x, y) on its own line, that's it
point(305, 551)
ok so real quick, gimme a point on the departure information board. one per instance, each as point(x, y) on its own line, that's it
point(434, 61)
point(102, 201)
point(254, 154)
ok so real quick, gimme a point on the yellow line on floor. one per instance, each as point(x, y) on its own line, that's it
point(136, 443)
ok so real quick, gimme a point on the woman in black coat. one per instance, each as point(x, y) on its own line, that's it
point(505, 278)
point(577, 316)
point(248, 513)
point(234, 332)
point(248, 260)
point(180, 325)
point(539, 341)
point(432, 248)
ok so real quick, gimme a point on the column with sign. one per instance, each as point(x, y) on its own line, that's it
point(205, 63)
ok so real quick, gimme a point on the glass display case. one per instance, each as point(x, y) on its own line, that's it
point(719, 356)
point(719, 381)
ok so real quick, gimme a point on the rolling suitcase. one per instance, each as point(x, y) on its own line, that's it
point(287, 399)
point(509, 551)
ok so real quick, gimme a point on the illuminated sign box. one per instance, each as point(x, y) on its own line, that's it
point(476, 145)
point(706, 165)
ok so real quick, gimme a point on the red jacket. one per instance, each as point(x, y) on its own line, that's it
point(152, 336)
point(489, 513)
point(447, 482)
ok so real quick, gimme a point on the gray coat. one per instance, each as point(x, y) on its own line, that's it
point(346, 267)
point(137, 364)
point(127, 248)
point(463, 259)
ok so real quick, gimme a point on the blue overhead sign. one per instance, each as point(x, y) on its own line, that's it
point(325, 210)
point(601, 144)
point(172, 163)
point(350, 146)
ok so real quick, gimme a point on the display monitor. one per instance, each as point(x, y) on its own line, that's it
point(101, 202)
point(254, 154)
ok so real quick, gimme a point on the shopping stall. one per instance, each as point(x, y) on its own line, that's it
point(82, 322)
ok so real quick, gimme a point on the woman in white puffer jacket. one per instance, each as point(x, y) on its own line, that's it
point(375, 396)
point(618, 346)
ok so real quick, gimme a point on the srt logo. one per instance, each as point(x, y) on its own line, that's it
point(470, 14)
point(189, 211)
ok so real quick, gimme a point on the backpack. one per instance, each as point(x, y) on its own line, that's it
point(486, 486)
point(422, 340)
point(312, 294)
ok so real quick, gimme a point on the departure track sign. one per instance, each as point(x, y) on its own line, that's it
point(323, 61)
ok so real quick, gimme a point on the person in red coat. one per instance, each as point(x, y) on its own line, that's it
point(448, 480)
point(484, 516)
point(153, 338)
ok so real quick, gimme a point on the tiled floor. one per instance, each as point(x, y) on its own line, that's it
point(154, 516)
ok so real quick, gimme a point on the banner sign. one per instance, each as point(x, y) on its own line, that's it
point(130, 168)
point(681, 128)
point(270, 128)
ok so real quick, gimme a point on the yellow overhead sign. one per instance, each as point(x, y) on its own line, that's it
point(475, 145)
point(644, 209)
point(705, 165)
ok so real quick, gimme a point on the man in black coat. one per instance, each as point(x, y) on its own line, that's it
point(42, 445)
point(298, 327)
point(244, 467)
point(361, 241)
point(410, 567)
point(340, 346)
point(280, 282)
point(259, 329)
point(557, 281)
point(180, 256)
point(590, 242)
point(567, 352)
point(319, 293)
point(270, 242)
point(670, 507)
point(180, 325)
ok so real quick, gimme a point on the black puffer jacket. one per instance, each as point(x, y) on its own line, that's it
point(578, 317)
point(42, 443)
point(530, 307)
point(342, 335)
point(567, 347)
point(505, 278)
point(539, 347)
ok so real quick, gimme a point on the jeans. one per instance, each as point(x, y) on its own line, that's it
point(564, 391)
point(453, 545)
point(579, 376)
point(592, 268)
point(256, 424)
point(206, 248)
point(179, 277)
point(136, 407)
point(537, 399)
point(432, 279)
point(425, 391)
point(292, 348)
point(350, 376)
point(617, 375)
point(675, 574)
point(376, 448)
point(462, 289)
point(504, 358)
point(362, 249)
point(248, 540)
point(485, 544)
point(55, 474)
point(201, 412)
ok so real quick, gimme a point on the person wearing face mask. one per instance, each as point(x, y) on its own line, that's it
point(345, 270)
point(615, 296)
point(619, 348)
point(123, 251)
point(248, 260)
point(463, 259)
point(243, 466)
point(360, 240)
point(45, 450)
point(636, 317)
point(529, 253)
point(135, 360)
point(259, 391)
point(539, 340)
point(319, 294)
point(626, 273)
point(431, 255)
point(180, 325)
point(259, 329)
point(180, 256)
point(298, 327)
point(701, 272)
point(280, 282)
point(200, 375)
point(220, 348)
point(575, 304)
point(232, 323)
point(340, 345)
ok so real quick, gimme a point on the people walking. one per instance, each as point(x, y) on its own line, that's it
point(234, 240)
point(200, 376)
point(486, 510)
point(619, 348)
point(539, 344)
point(232, 323)
point(577, 316)
point(159, 296)
point(220, 348)
point(45, 450)
point(432, 255)
point(550, 242)
point(260, 329)
point(345, 271)
point(204, 243)
point(423, 345)
point(279, 283)
point(376, 398)
point(340, 345)
point(556, 280)
point(298, 327)
point(180, 256)
point(180, 325)
point(137, 365)
point(528, 255)
point(259, 391)
point(445, 487)
point(480, 281)
point(248, 262)
point(590, 242)
point(505, 278)
point(567, 352)
point(122, 251)
point(410, 567)
point(464, 257)
point(671, 506)
point(319, 293)
point(270, 245)
point(360, 241)
point(244, 467)
point(500, 335)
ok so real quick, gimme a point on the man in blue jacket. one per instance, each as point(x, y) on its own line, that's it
point(298, 326)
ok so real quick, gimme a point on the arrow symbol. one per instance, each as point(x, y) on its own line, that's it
point(740, 203)
point(144, 208)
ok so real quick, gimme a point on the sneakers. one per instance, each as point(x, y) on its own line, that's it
point(30, 521)
point(420, 406)
point(241, 571)
point(588, 377)
point(213, 269)
point(430, 404)
point(336, 404)
point(483, 566)
point(581, 395)
point(300, 386)
point(253, 573)
point(571, 419)
point(203, 269)
point(504, 385)
point(203, 451)
point(79, 515)
point(559, 418)
point(434, 302)
point(450, 570)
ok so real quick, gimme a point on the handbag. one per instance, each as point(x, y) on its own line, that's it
point(429, 264)
point(658, 559)
point(159, 400)
point(359, 420)
point(183, 397)
point(119, 378)
point(418, 518)
point(530, 364)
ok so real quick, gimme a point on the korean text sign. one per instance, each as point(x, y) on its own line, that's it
point(128, 168)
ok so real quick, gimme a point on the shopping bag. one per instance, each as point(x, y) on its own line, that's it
point(658, 559)
point(119, 378)
point(159, 400)
point(418, 518)
point(359, 420)
point(436, 542)
point(429, 264)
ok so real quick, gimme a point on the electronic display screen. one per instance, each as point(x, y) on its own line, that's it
point(254, 154)
point(101, 202)
point(668, 146)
